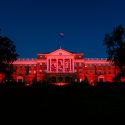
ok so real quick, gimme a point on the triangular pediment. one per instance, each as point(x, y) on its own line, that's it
point(59, 52)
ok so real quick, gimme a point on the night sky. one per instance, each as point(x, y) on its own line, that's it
point(34, 25)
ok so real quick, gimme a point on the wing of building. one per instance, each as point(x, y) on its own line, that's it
point(63, 66)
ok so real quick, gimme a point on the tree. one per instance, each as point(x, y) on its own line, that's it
point(115, 48)
point(7, 55)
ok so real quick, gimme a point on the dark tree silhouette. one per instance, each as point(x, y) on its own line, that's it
point(7, 55)
point(115, 48)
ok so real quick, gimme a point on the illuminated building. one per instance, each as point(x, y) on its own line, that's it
point(63, 66)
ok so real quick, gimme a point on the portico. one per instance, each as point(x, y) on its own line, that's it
point(60, 61)
point(60, 65)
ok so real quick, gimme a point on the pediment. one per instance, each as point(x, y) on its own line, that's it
point(60, 52)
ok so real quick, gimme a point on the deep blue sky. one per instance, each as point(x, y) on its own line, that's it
point(34, 25)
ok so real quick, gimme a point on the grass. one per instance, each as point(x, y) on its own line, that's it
point(103, 98)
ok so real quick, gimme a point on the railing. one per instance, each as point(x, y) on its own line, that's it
point(95, 58)
point(60, 72)
point(26, 59)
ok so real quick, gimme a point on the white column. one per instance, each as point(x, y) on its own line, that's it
point(63, 65)
point(47, 64)
point(73, 65)
point(50, 65)
point(56, 65)
point(70, 65)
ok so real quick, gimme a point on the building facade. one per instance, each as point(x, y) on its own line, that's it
point(63, 66)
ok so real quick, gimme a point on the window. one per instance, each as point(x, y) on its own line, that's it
point(80, 80)
point(75, 64)
point(40, 71)
point(80, 64)
point(99, 65)
point(100, 72)
point(15, 67)
point(90, 65)
point(80, 71)
point(86, 65)
point(21, 65)
point(104, 66)
point(30, 65)
point(90, 71)
point(109, 66)
point(40, 65)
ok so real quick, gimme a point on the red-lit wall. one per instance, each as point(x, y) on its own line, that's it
point(30, 70)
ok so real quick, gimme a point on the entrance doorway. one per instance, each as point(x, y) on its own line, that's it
point(101, 78)
point(53, 79)
point(67, 79)
point(19, 79)
point(60, 79)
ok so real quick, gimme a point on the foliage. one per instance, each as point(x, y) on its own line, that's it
point(115, 48)
point(7, 55)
